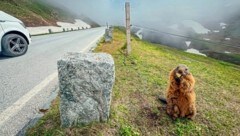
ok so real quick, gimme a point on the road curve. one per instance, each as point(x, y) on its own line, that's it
point(27, 82)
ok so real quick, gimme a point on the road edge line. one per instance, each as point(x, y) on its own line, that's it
point(19, 104)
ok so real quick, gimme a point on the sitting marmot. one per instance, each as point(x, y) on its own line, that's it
point(180, 94)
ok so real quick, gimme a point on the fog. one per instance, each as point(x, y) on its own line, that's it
point(181, 17)
point(152, 12)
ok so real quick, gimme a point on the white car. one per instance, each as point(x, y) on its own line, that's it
point(14, 36)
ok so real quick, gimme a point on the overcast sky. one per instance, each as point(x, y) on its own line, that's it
point(152, 11)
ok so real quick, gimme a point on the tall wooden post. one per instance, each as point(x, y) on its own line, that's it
point(128, 27)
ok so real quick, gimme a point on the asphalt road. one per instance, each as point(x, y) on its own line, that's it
point(29, 81)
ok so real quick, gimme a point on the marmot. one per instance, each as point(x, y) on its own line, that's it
point(180, 94)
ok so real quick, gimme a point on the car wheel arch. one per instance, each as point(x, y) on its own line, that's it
point(19, 33)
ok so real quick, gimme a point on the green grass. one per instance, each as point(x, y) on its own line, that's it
point(34, 13)
point(143, 76)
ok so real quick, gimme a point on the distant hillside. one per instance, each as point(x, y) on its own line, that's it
point(221, 42)
point(233, 29)
point(35, 13)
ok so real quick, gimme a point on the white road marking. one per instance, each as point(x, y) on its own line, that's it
point(19, 104)
point(90, 44)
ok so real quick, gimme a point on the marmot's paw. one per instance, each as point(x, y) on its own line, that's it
point(191, 117)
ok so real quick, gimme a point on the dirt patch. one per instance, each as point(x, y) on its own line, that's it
point(153, 116)
point(34, 20)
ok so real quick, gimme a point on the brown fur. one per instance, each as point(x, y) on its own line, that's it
point(180, 94)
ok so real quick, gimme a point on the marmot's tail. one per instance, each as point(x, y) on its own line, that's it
point(163, 100)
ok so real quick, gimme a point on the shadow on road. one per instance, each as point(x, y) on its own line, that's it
point(2, 57)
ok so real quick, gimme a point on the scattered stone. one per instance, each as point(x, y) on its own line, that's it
point(43, 110)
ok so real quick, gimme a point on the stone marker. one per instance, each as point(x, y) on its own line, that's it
point(108, 35)
point(86, 81)
point(50, 31)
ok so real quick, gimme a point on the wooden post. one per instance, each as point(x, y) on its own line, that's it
point(128, 31)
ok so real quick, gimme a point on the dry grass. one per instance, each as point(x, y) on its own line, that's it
point(141, 77)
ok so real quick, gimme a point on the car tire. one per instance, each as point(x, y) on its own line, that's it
point(14, 45)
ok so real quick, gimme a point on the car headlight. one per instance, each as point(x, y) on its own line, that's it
point(23, 24)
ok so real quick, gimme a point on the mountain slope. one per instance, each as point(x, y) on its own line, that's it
point(35, 13)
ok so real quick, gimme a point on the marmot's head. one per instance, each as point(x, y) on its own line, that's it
point(181, 71)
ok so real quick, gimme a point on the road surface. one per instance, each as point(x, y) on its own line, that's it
point(28, 82)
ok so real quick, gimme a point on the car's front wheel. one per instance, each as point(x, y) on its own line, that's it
point(14, 45)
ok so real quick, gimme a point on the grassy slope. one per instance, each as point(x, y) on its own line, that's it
point(142, 77)
point(33, 13)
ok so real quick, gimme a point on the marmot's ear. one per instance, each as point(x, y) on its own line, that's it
point(176, 69)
